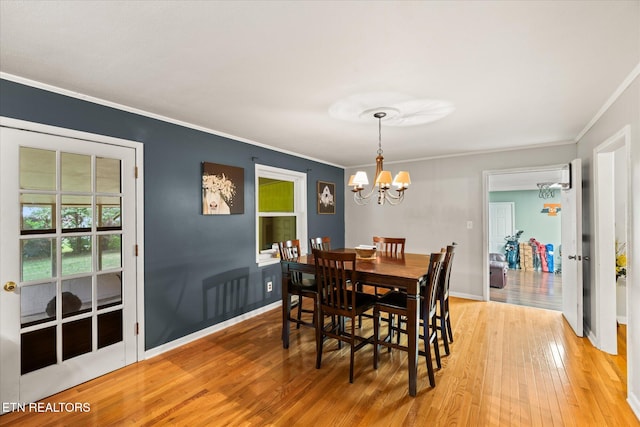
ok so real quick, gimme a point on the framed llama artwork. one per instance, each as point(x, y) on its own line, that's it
point(222, 189)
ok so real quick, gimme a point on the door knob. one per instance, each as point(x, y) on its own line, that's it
point(572, 257)
point(10, 286)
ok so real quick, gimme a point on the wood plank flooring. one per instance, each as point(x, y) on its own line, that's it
point(531, 288)
point(509, 366)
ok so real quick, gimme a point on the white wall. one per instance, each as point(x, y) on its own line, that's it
point(444, 195)
point(624, 111)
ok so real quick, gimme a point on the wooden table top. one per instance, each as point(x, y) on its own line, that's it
point(385, 270)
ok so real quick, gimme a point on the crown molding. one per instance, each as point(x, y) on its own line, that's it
point(613, 98)
point(115, 105)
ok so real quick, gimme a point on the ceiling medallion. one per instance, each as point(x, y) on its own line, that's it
point(400, 109)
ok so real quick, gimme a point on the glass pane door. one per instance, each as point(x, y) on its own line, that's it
point(68, 238)
point(71, 255)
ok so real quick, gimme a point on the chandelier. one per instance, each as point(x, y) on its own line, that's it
point(383, 181)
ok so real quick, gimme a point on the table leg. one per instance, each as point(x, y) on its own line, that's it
point(286, 309)
point(413, 328)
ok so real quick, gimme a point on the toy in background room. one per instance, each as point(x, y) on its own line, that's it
point(539, 255)
point(542, 256)
point(512, 249)
point(550, 265)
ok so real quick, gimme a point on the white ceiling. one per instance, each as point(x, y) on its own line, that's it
point(518, 73)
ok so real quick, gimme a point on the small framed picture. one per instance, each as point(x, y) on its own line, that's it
point(326, 197)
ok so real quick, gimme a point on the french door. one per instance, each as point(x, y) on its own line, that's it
point(67, 262)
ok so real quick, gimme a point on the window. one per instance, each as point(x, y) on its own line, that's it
point(281, 210)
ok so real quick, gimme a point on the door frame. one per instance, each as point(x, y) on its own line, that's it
point(139, 163)
point(604, 237)
point(486, 187)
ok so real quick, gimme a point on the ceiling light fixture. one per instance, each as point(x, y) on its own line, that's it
point(383, 178)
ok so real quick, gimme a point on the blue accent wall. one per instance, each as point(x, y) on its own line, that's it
point(199, 270)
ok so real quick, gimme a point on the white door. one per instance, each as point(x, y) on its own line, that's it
point(501, 225)
point(572, 300)
point(67, 220)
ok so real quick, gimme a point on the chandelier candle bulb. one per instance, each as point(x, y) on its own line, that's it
point(402, 180)
point(360, 179)
point(384, 179)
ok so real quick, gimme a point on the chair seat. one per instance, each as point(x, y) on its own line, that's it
point(397, 299)
point(306, 283)
point(393, 299)
point(365, 301)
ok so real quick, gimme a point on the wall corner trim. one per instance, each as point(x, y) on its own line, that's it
point(616, 94)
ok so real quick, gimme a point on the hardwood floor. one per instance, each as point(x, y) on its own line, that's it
point(509, 365)
point(531, 288)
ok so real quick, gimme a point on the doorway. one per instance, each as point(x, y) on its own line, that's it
point(611, 165)
point(71, 277)
point(530, 246)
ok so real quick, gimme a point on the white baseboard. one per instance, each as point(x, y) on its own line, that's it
point(634, 402)
point(622, 320)
point(466, 296)
point(208, 331)
point(592, 337)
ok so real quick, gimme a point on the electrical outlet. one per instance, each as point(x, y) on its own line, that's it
point(269, 286)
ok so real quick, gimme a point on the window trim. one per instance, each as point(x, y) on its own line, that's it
point(299, 180)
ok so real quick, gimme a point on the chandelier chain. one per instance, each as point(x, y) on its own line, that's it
point(379, 116)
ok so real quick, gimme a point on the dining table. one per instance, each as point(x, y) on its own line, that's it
point(400, 272)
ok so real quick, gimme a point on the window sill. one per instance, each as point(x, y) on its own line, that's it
point(268, 261)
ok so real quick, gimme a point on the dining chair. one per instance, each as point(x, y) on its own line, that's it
point(322, 243)
point(338, 298)
point(395, 303)
point(299, 284)
point(390, 246)
point(443, 316)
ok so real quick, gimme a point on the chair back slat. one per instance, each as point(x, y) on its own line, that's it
point(289, 250)
point(335, 278)
point(322, 243)
point(429, 282)
point(390, 246)
point(443, 283)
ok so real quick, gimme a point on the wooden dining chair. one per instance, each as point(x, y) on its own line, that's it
point(443, 316)
point(299, 284)
point(322, 243)
point(395, 303)
point(339, 299)
point(390, 246)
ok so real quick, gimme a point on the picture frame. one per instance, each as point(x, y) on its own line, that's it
point(222, 189)
point(326, 194)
